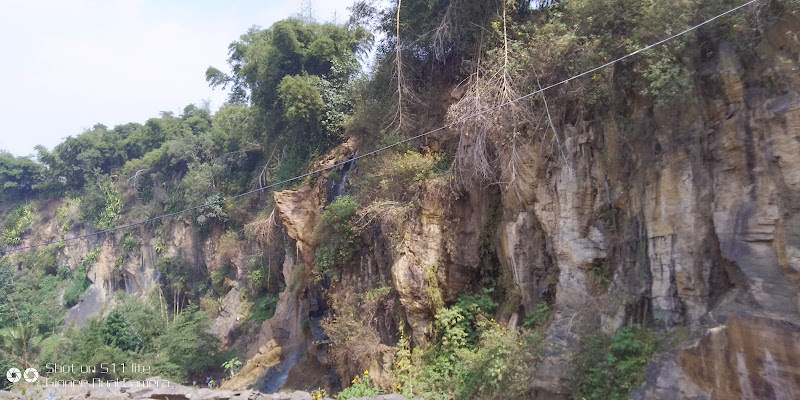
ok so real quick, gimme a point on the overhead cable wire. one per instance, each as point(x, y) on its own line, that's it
point(387, 147)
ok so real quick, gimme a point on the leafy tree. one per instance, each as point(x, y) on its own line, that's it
point(283, 71)
point(188, 343)
point(436, 37)
point(302, 100)
point(150, 136)
point(102, 202)
point(142, 318)
point(77, 158)
point(18, 176)
point(119, 333)
point(233, 129)
point(22, 341)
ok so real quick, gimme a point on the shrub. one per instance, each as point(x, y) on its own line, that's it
point(335, 235)
point(161, 247)
point(475, 358)
point(257, 279)
point(400, 176)
point(118, 332)
point(610, 367)
point(361, 386)
point(5, 365)
point(129, 244)
point(17, 222)
point(228, 249)
point(355, 342)
point(264, 307)
point(91, 257)
point(75, 290)
point(143, 319)
point(500, 365)
point(537, 317)
point(205, 216)
point(218, 281)
point(376, 294)
point(44, 260)
point(188, 343)
point(101, 203)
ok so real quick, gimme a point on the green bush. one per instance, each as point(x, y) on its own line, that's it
point(4, 366)
point(537, 317)
point(129, 244)
point(119, 333)
point(218, 279)
point(91, 257)
point(475, 356)
point(376, 294)
point(264, 307)
point(205, 217)
point(188, 343)
point(44, 260)
point(80, 282)
point(360, 386)
point(17, 222)
point(101, 203)
point(400, 176)
point(610, 367)
point(144, 320)
point(336, 237)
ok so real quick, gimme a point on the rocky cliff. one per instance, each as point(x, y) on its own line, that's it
point(684, 217)
point(700, 229)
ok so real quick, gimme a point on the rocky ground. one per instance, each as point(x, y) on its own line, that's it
point(155, 389)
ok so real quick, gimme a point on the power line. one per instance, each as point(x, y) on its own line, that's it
point(384, 148)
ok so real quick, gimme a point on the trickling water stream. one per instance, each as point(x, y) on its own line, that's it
point(128, 286)
point(337, 188)
point(276, 376)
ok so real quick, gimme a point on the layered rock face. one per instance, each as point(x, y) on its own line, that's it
point(702, 228)
point(750, 357)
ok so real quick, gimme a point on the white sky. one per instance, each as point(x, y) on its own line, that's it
point(66, 65)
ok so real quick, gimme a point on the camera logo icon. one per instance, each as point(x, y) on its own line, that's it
point(30, 375)
point(14, 375)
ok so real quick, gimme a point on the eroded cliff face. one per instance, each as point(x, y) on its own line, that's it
point(699, 227)
point(702, 228)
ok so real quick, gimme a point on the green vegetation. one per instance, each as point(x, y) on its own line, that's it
point(232, 365)
point(610, 367)
point(18, 177)
point(538, 317)
point(296, 91)
point(135, 332)
point(336, 237)
point(102, 203)
point(129, 243)
point(16, 223)
point(6, 365)
point(401, 177)
point(360, 386)
point(474, 356)
point(264, 307)
point(80, 282)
